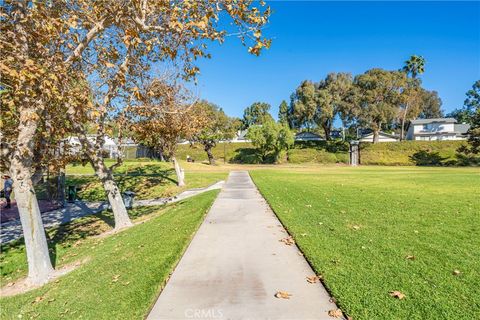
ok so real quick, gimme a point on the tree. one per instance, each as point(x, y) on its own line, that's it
point(379, 93)
point(431, 105)
point(411, 95)
point(164, 114)
point(414, 66)
point(270, 139)
point(467, 113)
point(473, 101)
point(256, 114)
point(304, 105)
point(217, 126)
point(332, 94)
point(283, 112)
point(45, 48)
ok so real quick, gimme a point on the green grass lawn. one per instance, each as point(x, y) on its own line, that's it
point(148, 179)
point(357, 226)
point(124, 272)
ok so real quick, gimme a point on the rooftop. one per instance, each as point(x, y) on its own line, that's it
point(441, 120)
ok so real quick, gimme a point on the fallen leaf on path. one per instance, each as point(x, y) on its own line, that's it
point(333, 300)
point(335, 313)
point(288, 241)
point(397, 294)
point(282, 295)
point(313, 279)
point(299, 253)
point(456, 272)
point(10, 284)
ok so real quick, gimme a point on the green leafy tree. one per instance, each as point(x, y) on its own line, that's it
point(466, 114)
point(218, 126)
point(332, 100)
point(431, 105)
point(270, 139)
point(304, 105)
point(283, 112)
point(256, 114)
point(473, 101)
point(378, 95)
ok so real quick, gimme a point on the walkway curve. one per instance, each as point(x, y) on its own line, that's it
point(236, 263)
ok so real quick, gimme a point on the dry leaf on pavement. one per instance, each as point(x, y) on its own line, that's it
point(335, 313)
point(397, 294)
point(282, 295)
point(313, 279)
point(288, 241)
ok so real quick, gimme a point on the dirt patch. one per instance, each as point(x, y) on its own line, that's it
point(22, 286)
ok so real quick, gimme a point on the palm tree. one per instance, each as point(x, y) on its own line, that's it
point(414, 66)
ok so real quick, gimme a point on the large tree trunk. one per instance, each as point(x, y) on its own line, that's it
point(122, 220)
point(376, 136)
point(402, 134)
point(327, 129)
point(208, 150)
point(39, 264)
point(179, 171)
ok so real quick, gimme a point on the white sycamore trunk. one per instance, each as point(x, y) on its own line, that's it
point(180, 173)
point(122, 220)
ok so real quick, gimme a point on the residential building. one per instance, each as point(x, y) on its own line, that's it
point(437, 129)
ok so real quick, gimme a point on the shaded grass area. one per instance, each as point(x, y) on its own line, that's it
point(125, 271)
point(357, 226)
point(148, 179)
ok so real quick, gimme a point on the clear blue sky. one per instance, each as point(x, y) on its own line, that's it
point(311, 39)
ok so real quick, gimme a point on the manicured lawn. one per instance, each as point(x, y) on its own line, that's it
point(148, 179)
point(357, 226)
point(124, 273)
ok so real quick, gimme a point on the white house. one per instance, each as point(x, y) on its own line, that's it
point(437, 129)
point(241, 136)
point(308, 136)
point(382, 137)
point(109, 145)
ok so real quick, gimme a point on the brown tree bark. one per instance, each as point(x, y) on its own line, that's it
point(208, 150)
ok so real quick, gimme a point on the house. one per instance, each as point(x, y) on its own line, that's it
point(241, 136)
point(437, 129)
point(382, 137)
point(109, 146)
point(308, 136)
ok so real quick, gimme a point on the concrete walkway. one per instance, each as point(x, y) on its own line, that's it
point(12, 230)
point(235, 264)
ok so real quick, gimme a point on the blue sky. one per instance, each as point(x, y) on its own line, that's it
point(313, 38)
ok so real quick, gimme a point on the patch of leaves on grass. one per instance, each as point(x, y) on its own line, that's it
point(397, 294)
point(313, 279)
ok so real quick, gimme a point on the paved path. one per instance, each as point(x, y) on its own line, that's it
point(12, 230)
point(235, 264)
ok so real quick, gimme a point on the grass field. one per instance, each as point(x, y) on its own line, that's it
point(124, 273)
point(148, 179)
point(372, 230)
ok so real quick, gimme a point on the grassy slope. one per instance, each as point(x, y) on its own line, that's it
point(395, 153)
point(431, 213)
point(148, 179)
point(141, 258)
